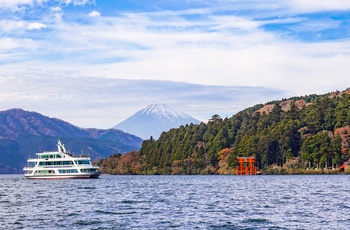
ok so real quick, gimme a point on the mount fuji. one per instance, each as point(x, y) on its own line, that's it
point(153, 120)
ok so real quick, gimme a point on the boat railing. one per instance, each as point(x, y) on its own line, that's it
point(48, 166)
point(39, 158)
point(81, 156)
point(87, 166)
point(57, 166)
point(78, 156)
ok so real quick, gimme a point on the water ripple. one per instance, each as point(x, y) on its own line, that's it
point(176, 202)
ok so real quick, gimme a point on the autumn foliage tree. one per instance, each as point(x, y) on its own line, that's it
point(127, 164)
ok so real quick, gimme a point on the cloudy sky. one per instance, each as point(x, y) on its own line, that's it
point(94, 63)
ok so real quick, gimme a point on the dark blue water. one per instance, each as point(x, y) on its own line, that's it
point(177, 202)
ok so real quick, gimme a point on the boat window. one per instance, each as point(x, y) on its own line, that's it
point(43, 156)
point(67, 171)
point(56, 163)
point(82, 162)
point(88, 170)
point(44, 172)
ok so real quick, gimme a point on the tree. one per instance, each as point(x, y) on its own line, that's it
point(215, 118)
point(317, 149)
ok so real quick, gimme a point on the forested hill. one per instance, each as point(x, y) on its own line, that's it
point(313, 128)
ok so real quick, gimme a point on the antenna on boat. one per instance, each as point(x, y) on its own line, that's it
point(61, 147)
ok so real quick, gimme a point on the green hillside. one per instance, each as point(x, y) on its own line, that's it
point(301, 132)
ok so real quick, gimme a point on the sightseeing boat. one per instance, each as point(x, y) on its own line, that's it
point(60, 164)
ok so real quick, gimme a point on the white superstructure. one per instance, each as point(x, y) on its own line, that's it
point(60, 165)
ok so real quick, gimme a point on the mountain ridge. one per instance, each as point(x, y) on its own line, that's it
point(15, 121)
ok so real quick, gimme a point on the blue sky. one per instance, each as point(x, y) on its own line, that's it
point(104, 60)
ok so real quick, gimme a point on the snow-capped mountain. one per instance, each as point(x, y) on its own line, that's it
point(153, 120)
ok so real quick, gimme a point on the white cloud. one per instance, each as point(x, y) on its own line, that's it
point(94, 14)
point(15, 3)
point(82, 2)
point(57, 13)
point(56, 9)
point(209, 51)
point(8, 44)
point(67, 2)
point(317, 5)
point(78, 2)
point(40, 2)
point(8, 26)
point(299, 68)
point(15, 51)
point(315, 25)
point(35, 26)
point(13, 26)
point(227, 22)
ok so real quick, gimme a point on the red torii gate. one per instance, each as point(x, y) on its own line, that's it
point(244, 168)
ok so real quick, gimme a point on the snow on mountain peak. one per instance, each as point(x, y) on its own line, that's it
point(163, 110)
point(153, 120)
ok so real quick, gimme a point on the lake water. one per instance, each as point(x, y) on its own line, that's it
point(177, 202)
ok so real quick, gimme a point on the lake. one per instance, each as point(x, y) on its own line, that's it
point(177, 202)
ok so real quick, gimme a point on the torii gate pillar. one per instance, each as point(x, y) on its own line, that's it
point(244, 168)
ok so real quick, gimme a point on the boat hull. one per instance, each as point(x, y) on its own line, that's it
point(93, 175)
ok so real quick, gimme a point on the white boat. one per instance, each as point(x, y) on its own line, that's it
point(60, 165)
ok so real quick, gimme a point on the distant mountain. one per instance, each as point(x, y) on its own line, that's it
point(155, 119)
point(23, 133)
